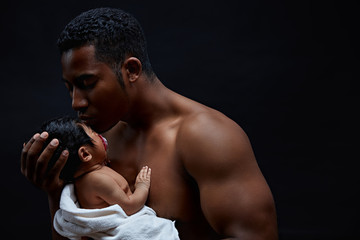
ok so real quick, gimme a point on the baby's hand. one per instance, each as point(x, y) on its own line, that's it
point(143, 178)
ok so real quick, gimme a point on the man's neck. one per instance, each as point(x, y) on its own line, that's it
point(153, 102)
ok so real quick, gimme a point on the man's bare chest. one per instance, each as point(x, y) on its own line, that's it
point(172, 191)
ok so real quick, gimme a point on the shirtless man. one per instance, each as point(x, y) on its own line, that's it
point(207, 177)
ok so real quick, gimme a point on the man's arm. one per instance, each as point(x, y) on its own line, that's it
point(33, 167)
point(234, 195)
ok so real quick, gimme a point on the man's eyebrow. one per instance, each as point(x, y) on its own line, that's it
point(83, 77)
point(79, 78)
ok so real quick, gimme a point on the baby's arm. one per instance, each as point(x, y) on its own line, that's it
point(142, 186)
point(106, 188)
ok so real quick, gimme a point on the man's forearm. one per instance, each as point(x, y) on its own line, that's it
point(54, 203)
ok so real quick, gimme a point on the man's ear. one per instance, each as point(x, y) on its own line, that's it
point(133, 68)
point(84, 154)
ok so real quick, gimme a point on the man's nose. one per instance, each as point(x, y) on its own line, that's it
point(79, 100)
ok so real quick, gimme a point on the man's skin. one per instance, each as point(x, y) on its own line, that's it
point(205, 175)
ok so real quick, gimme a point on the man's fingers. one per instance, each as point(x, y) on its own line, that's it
point(43, 160)
point(33, 154)
point(59, 165)
point(52, 183)
point(24, 152)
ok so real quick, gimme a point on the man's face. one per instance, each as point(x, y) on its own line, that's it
point(96, 93)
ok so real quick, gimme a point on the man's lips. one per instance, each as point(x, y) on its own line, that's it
point(84, 117)
point(87, 119)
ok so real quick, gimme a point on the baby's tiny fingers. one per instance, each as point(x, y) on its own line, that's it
point(146, 168)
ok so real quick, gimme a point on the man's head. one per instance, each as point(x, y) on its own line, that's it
point(114, 33)
point(71, 135)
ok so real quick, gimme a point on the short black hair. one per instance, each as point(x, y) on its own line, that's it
point(114, 33)
point(71, 136)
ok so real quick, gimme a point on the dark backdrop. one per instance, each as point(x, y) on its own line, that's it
point(283, 70)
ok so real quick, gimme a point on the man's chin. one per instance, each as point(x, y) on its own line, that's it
point(101, 128)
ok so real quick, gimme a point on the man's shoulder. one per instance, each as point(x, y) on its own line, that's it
point(207, 123)
point(211, 137)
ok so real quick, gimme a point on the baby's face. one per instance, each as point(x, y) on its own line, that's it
point(100, 143)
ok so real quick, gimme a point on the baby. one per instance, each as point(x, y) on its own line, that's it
point(97, 186)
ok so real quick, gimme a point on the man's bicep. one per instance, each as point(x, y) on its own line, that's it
point(237, 207)
point(234, 195)
point(236, 200)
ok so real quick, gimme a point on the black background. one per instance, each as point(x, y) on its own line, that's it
point(283, 70)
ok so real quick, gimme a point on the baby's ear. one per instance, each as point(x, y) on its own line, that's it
point(84, 154)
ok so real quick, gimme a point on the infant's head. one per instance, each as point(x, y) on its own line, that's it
point(82, 143)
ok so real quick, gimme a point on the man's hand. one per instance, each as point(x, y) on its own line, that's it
point(34, 164)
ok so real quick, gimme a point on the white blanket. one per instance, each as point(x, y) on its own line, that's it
point(111, 222)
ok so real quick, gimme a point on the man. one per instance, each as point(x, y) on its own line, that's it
point(214, 188)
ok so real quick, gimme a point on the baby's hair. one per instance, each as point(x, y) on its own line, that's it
point(71, 136)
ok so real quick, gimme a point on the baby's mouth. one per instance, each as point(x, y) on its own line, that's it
point(104, 141)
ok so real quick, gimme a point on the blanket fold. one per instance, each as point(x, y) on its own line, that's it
point(109, 223)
